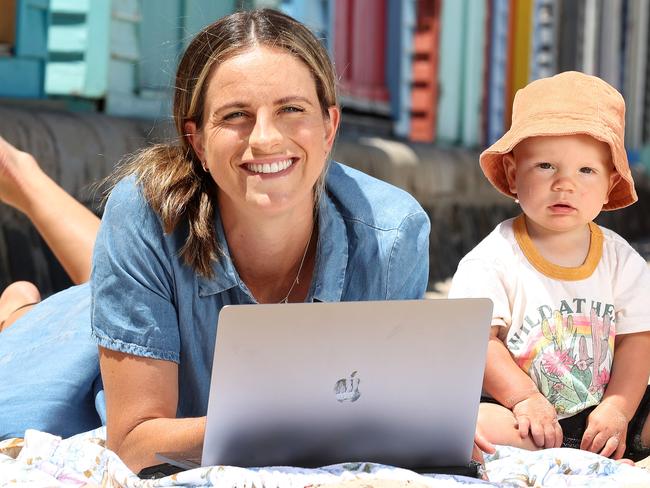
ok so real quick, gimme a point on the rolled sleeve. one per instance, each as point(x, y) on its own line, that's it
point(132, 309)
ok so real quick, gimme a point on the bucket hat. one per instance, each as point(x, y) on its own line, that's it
point(565, 104)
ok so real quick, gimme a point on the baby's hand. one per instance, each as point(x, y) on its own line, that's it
point(606, 431)
point(536, 415)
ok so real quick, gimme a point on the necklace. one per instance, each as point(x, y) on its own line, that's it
point(302, 261)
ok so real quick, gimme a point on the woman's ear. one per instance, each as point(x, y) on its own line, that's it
point(331, 126)
point(195, 138)
point(510, 170)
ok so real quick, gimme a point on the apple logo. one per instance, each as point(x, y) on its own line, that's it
point(347, 389)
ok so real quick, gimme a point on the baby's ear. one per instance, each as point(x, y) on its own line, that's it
point(510, 170)
point(614, 178)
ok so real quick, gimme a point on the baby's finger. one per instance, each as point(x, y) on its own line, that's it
point(523, 424)
point(620, 451)
point(587, 439)
point(537, 431)
point(610, 446)
point(598, 443)
point(549, 435)
point(559, 435)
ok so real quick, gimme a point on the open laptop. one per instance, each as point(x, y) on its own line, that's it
point(313, 384)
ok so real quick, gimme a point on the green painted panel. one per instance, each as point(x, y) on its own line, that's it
point(70, 6)
point(473, 74)
point(33, 19)
point(126, 10)
point(71, 38)
point(65, 78)
point(450, 70)
point(21, 78)
point(199, 13)
point(160, 43)
point(121, 76)
point(98, 52)
point(124, 39)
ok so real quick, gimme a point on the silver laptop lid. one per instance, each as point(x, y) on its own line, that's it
point(313, 384)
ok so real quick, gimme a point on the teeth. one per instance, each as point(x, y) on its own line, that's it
point(270, 167)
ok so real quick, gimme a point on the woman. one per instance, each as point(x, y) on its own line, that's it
point(243, 208)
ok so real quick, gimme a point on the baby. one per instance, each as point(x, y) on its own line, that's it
point(569, 351)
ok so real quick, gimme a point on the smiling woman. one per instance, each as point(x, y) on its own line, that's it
point(245, 207)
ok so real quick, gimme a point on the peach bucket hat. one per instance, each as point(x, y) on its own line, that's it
point(565, 104)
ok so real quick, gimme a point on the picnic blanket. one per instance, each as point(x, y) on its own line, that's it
point(42, 459)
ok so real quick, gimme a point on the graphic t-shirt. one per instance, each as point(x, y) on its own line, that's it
point(559, 323)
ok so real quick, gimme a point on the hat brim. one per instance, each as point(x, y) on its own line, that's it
point(491, 160)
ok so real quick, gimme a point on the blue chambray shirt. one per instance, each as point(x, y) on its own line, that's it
point(373, 244)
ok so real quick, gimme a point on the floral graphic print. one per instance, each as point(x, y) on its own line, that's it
point(570, 360)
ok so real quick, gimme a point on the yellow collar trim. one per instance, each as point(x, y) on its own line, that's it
point(554, 271)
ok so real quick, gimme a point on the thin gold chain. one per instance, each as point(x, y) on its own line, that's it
point(302, 261)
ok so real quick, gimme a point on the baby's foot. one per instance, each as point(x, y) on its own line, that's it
point(18, 170)
point(15, 301)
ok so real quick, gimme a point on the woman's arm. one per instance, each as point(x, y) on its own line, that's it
point(141, 401)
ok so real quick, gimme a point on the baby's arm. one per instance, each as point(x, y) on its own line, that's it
point(507, 383)
point(607, 425)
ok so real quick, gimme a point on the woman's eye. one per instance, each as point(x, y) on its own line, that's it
point(234, 115)
point(292, 109)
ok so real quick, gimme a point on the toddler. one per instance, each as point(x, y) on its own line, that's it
point(569, 351)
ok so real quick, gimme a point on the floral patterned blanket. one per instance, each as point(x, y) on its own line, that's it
point(41, 459)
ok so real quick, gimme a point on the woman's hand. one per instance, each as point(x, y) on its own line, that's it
point(606, 431)
point(536, 415)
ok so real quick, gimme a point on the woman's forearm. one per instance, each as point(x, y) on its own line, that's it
point(138, 449)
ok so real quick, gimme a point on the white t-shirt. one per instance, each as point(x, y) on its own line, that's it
point(559, 323)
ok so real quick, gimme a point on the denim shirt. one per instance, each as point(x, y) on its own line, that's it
point(373, 244)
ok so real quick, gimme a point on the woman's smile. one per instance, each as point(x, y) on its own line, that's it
point(270, 169)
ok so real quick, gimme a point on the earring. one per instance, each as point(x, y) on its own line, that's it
point(205, 168)
point(517, 201)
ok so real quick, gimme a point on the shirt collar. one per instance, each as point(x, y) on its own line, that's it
point(331, 258)
point(224, 274)
point(332, 254)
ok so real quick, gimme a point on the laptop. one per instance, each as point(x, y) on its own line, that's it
point(315, 384)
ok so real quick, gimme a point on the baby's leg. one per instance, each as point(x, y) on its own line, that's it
point(67, 226)
point(499, 426)
point(16, 300)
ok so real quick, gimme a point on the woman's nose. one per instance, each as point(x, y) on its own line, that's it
point(266, 134)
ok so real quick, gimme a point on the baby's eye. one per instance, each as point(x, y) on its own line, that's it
point(545, 166)
point(586, 170)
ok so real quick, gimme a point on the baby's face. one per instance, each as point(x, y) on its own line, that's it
point(562, 182)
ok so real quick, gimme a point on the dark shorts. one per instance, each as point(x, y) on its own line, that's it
point(573, 428)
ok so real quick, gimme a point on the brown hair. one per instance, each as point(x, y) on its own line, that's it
point(171, 175)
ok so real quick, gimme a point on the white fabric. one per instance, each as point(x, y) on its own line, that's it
point(560, 332)
point(44, 460)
